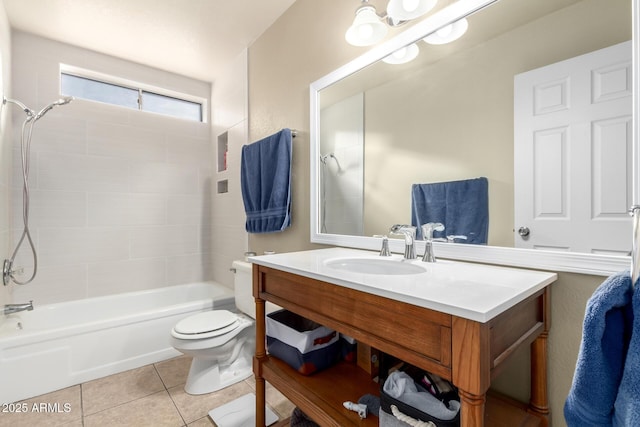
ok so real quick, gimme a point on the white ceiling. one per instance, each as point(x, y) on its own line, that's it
point(195, 38)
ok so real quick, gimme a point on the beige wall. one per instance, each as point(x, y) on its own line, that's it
point(304, 45)
point(298, 49)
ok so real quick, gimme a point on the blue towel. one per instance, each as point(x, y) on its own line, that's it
point(265, 176)
point(605, 339)
point(462, 206)
point(627, 406)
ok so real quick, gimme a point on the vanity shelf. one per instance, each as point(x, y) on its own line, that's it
point(318, 395)
point(321, 395)
point(467, 352)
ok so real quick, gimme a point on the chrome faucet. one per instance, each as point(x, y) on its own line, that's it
point(409, 233)
point(427, 234)
point(384, 250)
point(14, 308)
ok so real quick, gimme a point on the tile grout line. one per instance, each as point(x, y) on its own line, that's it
point(184, 422)
point(129, 401)
point(125, 403)
point(81, 404)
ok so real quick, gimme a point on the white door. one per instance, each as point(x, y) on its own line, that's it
point(572, 150)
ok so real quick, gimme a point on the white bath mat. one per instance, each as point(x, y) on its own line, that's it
point(240, 413)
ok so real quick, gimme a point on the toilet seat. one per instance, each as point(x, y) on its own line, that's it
point(206, 325)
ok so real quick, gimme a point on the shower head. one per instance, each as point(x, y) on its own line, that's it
point(325, 157)
point(62, 101)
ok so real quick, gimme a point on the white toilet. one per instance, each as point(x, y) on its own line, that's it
point(221, 342)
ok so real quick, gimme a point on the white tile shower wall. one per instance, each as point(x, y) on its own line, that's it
point(230, 115)
point(5, 150)
point(343, 176)
point(120, 198)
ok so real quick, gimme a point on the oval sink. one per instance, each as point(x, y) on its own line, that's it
point(375, 266)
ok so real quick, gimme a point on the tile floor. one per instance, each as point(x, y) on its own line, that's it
point(152, 395)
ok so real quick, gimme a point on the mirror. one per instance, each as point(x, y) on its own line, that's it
point(377, 129)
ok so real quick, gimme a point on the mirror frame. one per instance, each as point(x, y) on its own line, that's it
point(575, 262)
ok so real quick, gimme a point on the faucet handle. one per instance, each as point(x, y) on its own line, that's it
point(429, 228)
point(454, 237)
point(409, 231)
point(384, 251)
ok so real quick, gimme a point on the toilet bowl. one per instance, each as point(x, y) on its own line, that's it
point(221, 342)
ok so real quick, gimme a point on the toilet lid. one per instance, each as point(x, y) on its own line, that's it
point(209, 322)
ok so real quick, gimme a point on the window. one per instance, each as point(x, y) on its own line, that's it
point(95, 90)
point(130, 95)
point(171, 106)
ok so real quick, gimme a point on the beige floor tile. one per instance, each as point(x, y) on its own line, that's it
point(107, 392)
point(278, 402)
point(193, 408)
point(76, 423)
point(138, 398)
point(156, 410)
point(251, 381)
point(59, 408)
point(174, 372)
point(202, 422)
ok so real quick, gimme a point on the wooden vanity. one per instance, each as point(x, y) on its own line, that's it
point(467, 352)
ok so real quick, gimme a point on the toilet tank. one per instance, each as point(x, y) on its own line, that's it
point(243, 289)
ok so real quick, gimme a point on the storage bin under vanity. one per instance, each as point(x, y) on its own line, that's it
point(348, 349)
point(303, 344)
point(439, 390)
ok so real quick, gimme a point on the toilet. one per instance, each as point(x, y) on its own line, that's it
point(221, 342)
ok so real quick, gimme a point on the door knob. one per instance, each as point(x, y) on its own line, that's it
point(524, 231)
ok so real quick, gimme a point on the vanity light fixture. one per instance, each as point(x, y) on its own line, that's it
point(448, 33)
point(369, 28)
point(405, 10)
point(403, 55)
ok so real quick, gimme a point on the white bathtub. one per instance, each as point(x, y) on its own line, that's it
point(59, 345)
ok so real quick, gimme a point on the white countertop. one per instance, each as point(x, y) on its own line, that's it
point(472, 291)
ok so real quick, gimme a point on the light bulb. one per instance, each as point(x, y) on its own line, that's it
point(410, 5)
point(403, 55)
point(448, 33)
point(406, 10)
point(445, 31)
point(365, 31)
point(400, 53)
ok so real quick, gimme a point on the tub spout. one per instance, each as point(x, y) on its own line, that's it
point(14, 308)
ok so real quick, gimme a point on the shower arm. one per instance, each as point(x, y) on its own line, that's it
point(24, 108)
point(32, 114)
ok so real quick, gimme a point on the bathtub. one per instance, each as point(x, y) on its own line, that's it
point(59, 345)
